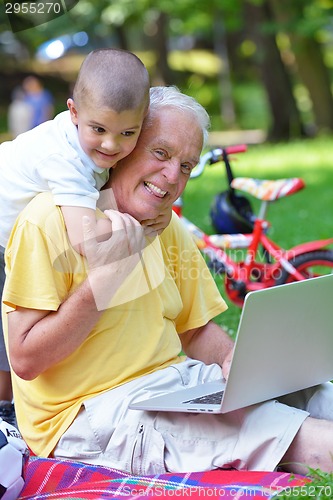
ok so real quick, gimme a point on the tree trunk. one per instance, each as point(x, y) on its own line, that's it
point(286, 120)
point(310, 64)
point(121, 35)
point(220, 48)
point(315, 77)
point(160, 42)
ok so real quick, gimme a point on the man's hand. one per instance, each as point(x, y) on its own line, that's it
point(227, 363)
point(152, 227)
point(210, 344)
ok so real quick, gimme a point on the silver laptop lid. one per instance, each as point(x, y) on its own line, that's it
point(284, 341)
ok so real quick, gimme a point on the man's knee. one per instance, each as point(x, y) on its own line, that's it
point(312, 447)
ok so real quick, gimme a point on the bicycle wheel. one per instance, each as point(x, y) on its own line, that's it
point(310, 265)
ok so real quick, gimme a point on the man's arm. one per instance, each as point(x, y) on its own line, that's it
point(39, 339)
point(209, 344)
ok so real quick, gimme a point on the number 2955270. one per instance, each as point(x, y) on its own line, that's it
point(33, 7)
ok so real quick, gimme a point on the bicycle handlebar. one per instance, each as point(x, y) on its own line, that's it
point(215, 155)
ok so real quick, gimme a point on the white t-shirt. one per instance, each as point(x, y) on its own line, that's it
point(46, 158)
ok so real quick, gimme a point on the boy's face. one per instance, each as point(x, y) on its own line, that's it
point(105, 135)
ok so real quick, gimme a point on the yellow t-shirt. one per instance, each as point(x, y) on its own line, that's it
point(169, 292)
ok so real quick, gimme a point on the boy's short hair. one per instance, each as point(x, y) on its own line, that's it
point(112, 78)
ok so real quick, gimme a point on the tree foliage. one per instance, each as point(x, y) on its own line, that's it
point(295, 38)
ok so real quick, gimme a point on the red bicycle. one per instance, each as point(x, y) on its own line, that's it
point(263, 262)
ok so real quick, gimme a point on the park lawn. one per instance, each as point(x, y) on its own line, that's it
point(304, 216)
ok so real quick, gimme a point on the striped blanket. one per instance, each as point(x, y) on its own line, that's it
point(58, 479)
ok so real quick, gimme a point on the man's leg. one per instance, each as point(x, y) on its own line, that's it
point(311, 447)
point(6, 392)
point(106, 432)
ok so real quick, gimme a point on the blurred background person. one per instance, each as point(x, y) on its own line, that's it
point(31, 105)
point(40, 100)
point(20, 113)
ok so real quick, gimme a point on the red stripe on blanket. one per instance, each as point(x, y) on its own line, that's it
point(55, 479)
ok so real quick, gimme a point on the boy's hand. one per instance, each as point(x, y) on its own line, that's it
point(126, 240)
point(152, 227)
point(111, 262)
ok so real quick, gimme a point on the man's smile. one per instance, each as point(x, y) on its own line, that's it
point(155, 190)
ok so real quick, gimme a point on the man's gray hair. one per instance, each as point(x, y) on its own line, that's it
point(172, 97)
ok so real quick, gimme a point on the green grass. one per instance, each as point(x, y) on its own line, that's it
point(304, 216)
point(320, 488)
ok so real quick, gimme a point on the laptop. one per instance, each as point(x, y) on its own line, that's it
point(284, 343)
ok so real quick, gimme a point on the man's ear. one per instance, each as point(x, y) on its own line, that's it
point(73, 111)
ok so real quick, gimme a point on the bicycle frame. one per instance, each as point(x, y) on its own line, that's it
point(250, 273)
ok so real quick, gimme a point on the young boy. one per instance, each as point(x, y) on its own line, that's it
point(72, 154)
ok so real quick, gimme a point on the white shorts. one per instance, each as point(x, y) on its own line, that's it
point(106, 432)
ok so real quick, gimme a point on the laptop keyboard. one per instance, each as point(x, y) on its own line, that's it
point(209, 399)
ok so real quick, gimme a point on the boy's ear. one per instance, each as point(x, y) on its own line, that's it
point(73, 111)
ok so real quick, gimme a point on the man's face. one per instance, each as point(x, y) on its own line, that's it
point(155, 174)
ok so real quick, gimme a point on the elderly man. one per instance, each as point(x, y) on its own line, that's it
point(87, 338)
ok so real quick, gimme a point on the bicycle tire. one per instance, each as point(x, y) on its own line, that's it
point(310, 265)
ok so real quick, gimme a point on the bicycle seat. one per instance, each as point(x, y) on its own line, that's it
point(268, 190)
